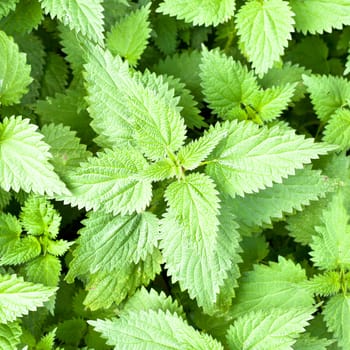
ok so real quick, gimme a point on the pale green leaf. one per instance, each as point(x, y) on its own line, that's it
point(82, 16)
point(331, 244)
point(105, 288)
point(272, 203)
point(278, 285)
point(10, 334)
point(252, 158)
point(326, 284)
point(129, 37)
point(328, 93)
point(124, 111)
point(66, 149)
point(26, 17)
point(273, 329)
point(6, 6)
point(337, 130)
point(199, 12)
point(264, 28)
point(337, 316)
point(318, 16)
point(18, 297)
point(39, 217)
point(111, 182)
point(226, 83)
point(161, 170)
point(24, 159)
point(14, 72)
point(347, 64)
point(154, 331)
point(195, 204)
point(270, 103)
point(144, 300)
point(191, 155)
point(21, 251)
point(59, 247)
point(110, 242)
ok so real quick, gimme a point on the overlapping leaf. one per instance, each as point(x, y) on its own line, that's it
point(264, 28)
point(252, 158)
point(24, 159)
point(155, 331)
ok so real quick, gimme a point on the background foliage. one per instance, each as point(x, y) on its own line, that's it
point(174, 174)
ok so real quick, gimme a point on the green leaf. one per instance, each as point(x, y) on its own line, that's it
point(337, 316)
point(301, 226)
point(84, 17)
point(25, 159)
point(264, 28)
point(111, 182)
point(190, 112)
point(328, 93)
point(318, 16)
point(166, 37)
point(39, 217)
point(270, 103)
point(55, 76)
point(144, 300)
point(279, 285)
point(105, 288)
point(226, 83)
point(6, 6)
point(59, 247)
point(68, 114)
point(337, 130)
point(191, 155)
point(275, 329)
point(110, 242)
point(5, 198)
point(184, 65)
point(66, 149)
point(195, 204)
point(123, 109)
point(10, 334)
point(14, 72)
point(252, 158)
point(199, 12)
point(326, 284)
point(10, 232)
point(287, 74)
point(307, 342)
point(194, 255)
point(331, 244)
point(44, 269)
point(272, 203)
point(17, 297)
point(26, 17)
point(153, 330)
point(129, 37)
point(21, 251)
point(47, 342)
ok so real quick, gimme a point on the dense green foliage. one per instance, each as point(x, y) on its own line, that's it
point(174, 174)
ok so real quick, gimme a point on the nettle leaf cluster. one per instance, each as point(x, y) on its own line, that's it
point(174, 174)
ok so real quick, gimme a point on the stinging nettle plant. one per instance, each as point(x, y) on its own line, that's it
point(173, 174)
